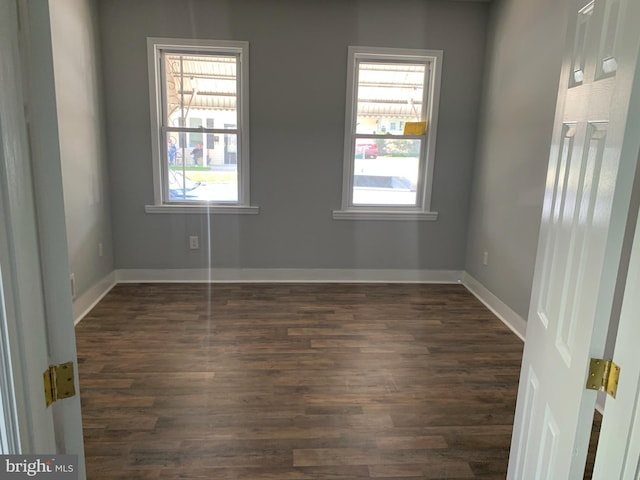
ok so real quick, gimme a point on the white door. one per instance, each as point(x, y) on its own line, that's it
point(36, 319)
point(589, 184)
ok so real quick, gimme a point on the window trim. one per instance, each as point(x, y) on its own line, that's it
point(421, 211)
point(155, 47)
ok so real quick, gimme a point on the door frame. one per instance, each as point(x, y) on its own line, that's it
point(10, 442)
point(621, 415)
point(29, 424)
point(44, 141)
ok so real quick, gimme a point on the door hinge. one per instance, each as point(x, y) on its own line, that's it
point(603, 375)
point(59, 382)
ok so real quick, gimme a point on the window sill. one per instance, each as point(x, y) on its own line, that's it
point(383, 215)
point(204, 209)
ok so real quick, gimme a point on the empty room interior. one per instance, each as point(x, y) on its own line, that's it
point(301, 234)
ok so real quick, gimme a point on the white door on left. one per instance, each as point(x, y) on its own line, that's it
point(27, 324)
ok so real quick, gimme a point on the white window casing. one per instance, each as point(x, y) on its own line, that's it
point(391, 111)
point(238, 129)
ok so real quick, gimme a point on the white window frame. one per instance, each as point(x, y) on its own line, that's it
point(421, 210)
point(155, 48)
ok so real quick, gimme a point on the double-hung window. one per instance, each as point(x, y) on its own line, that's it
point(390, 133)
point(200, 125)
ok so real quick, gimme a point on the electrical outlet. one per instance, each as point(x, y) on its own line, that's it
point(194, 242)
point(73, 285)
point(100, 250)
point(485, 258)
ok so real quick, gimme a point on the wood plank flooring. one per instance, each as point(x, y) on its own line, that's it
point(294, 382)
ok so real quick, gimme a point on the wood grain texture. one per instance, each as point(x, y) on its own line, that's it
point(296, 381)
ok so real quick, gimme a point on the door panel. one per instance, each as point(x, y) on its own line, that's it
point(583, 226)
point(33, 251)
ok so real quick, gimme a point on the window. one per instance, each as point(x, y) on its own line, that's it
point(390, 133)
point(200, 125)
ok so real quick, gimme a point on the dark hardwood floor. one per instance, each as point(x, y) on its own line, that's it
point(304, 381)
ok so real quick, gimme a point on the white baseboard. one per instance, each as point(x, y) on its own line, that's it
point(510, 318)
point(85, 302)
point(283, 275)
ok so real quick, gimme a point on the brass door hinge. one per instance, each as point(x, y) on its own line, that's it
point(603, 375)
point(59, 382)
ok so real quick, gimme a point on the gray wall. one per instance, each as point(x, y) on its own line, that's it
point(298, 56)
point(521, 84)
point(82, 141)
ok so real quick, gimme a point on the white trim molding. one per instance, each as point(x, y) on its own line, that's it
point(9, 429)
point(157, 48)
point(383, 215)
point(284, 275)
point(85, 302)
point(89, 299)
point(431, 60)
point(203, 209)
point(510, 318)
